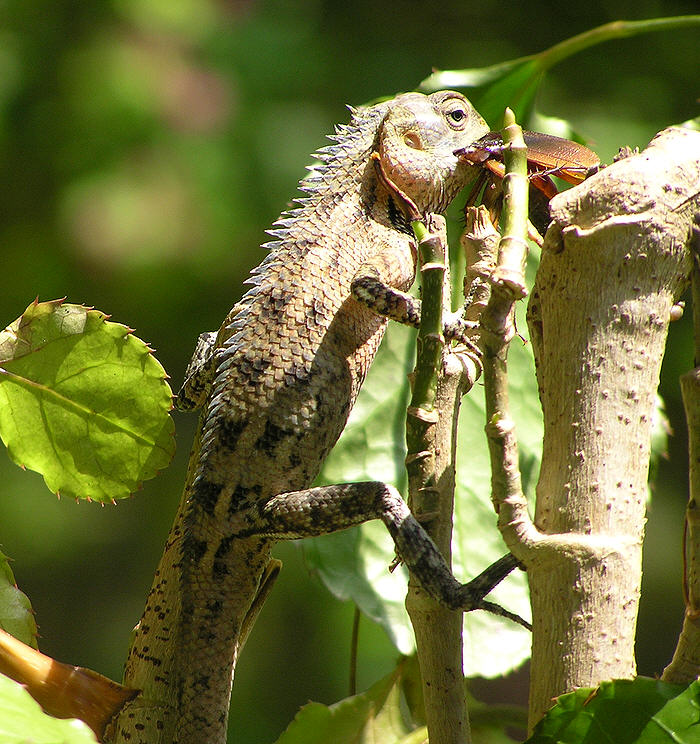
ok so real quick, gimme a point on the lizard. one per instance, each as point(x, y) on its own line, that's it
point(276, 384)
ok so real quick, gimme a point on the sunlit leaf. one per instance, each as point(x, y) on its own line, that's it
point(374, 716)
point(16, 616)
point(491, 89)
point(660, 431)
point(693, 124)
point(476, 539)
point(515, 82)
point(23, 721)
point(354, 564)
point(640, 711)
point(516, 90)
point(83, 402)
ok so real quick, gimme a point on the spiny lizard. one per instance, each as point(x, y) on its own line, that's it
point(277, 383)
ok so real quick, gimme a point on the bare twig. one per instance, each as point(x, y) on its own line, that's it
point(480, 244)
point(507, 286)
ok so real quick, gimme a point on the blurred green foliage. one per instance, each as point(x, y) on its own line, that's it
point(145, 146)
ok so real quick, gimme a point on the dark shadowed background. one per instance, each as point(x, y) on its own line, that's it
point(145, 146)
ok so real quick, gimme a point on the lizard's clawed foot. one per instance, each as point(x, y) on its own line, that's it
point(470, 596)
point(457, 328)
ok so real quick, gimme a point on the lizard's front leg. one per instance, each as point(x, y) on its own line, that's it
point(199, 373)
point(374, 288)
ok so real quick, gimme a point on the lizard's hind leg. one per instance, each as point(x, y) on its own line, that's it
point(318, 511)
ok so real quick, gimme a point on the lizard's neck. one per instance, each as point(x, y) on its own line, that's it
point(347, 192)
point(344, 174)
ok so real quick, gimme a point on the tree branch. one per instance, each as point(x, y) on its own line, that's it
point(613, 264)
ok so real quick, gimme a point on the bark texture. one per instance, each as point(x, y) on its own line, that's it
point(614, 262)
point(439, 630)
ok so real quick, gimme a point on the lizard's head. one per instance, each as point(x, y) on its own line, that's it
point(417, 141)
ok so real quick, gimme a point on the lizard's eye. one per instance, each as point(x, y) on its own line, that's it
point(456, 117)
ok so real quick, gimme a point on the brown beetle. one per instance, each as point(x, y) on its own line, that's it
point(546, 156)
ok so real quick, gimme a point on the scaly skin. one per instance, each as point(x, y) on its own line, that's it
point(290, 359)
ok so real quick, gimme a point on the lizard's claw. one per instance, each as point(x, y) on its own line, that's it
point(470, 596)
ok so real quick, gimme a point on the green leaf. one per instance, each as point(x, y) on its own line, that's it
point(554, 125)
point(389, 712)
point(476, 539)
point(491, 89)
point(354, 564)
point(23, 721)
point(639, 711)
point(373, 716)
point(517, 90)
point(514, 83)
point(693, 124)
point(16, 616)
point(83, 402)
point(661, 428)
